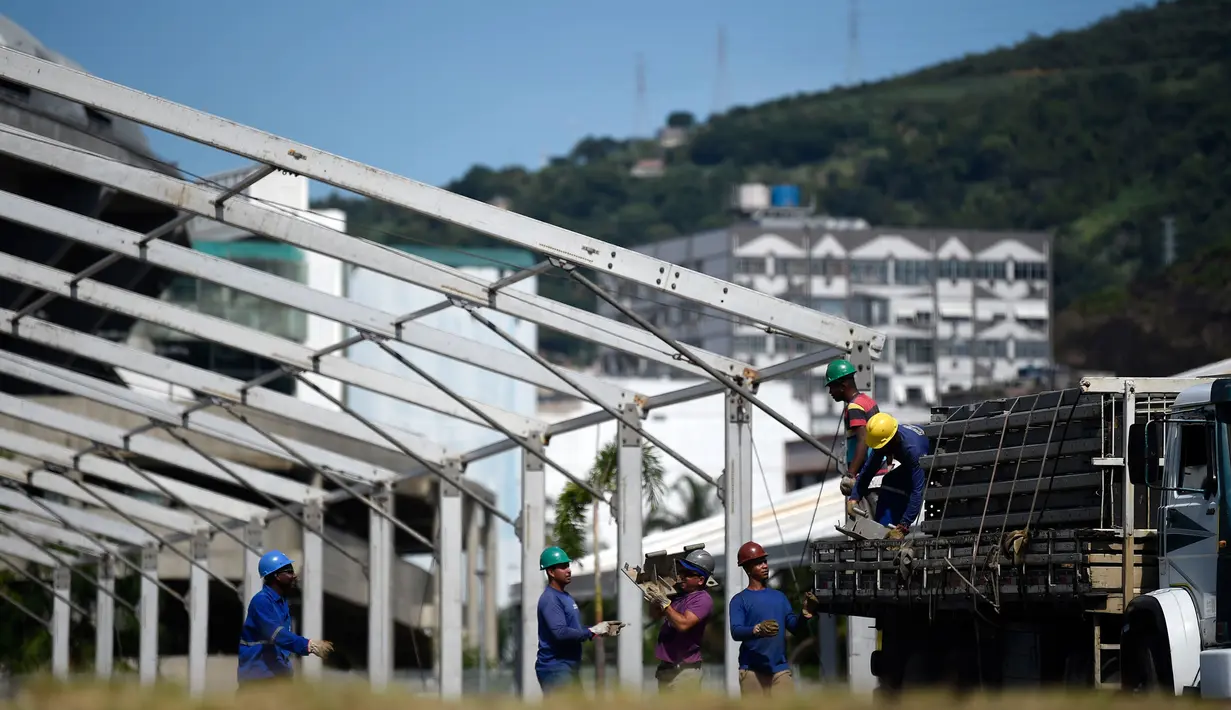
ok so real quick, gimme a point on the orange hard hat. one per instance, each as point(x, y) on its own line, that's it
point(749, 552)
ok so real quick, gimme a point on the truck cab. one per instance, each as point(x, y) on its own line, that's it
point(1178, 634)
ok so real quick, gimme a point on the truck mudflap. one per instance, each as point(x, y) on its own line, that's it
point(1062, 566)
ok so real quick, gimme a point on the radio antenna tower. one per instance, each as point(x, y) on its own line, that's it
point(852, 40)
point(720, 86)
point(639, 129)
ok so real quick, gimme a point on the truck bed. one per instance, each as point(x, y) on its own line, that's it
point(1063, 567)
point(1047, 467)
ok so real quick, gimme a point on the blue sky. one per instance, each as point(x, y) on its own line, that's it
point(427, 89)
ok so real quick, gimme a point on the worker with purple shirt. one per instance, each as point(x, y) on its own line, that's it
point(684, 619)
point(760, 617)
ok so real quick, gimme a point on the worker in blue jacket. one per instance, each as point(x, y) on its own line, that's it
point(266, 640)
point(900, 497)
point(561, 633)
point(760, 618)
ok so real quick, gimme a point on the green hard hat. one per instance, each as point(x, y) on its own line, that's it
point(837, 370)
point(553, 556)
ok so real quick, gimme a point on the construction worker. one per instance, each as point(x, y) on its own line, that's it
point(266, 641)
point(901, 492)
point(840, 379)
point(684, 619)
point(560, 630)
point(760, 617)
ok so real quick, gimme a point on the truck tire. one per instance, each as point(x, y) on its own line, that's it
point(1139, 672)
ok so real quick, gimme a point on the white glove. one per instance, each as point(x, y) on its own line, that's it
point(321, 649)
point(656, 598)
point(846, 485)
point(607, 628)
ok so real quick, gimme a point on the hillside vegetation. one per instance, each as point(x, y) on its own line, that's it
point(1094, 135)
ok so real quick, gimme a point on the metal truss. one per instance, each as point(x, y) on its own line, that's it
point(367, 459)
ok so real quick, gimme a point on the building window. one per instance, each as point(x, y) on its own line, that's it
point(910, 272)
point(832, 306)
point(749, 344)
point(786, 345)
point(955, 348)
point(915, 350)
point(954, 269)
point(914, 396)
point(754, 265)
point(881, 391)
point(991, 349)
point(1030, 271)
point(869, 272)
point(1032, 349)
point(792, 266)
point(993, 270)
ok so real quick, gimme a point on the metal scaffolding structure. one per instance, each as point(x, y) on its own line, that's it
point(110, 528)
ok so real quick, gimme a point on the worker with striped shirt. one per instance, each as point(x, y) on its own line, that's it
point(840, 379)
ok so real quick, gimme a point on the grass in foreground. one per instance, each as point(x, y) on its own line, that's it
point(303, 696)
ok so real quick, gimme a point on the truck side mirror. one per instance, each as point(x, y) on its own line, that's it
point(1145, 447)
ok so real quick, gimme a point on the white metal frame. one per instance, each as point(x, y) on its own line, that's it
point(58, 469)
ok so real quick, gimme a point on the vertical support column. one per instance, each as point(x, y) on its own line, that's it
point(474, 604)
point(737, 501)
point(313, 585)
point(147, 663)
point(827, 642)
point(104, 619)
point(380, 591)
point(449, 598)
point(254, 536)
point(62, 581)
point(1129, 498)
point(491, 578)
point(861, 634)
point(628, 550)
point(198, 614)
point(533, 581)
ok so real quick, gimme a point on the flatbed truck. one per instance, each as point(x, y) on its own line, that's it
point(1075, 537)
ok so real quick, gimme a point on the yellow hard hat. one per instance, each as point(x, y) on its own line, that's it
point(881, 428)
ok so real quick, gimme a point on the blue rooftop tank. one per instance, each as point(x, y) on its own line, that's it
point(784, 196)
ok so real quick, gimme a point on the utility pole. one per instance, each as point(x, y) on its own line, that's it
point(1168, 241)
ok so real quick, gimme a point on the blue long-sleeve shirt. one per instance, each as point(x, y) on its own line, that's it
point(266, 640)
point(908, 478)
point(749, 608)
point(560, 631)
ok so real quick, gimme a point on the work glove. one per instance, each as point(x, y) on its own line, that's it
point(852, 505)
point(896, 532)
point(811, 604)
point(607, 628)
point(320, 649)
point(846, 485)
point(657, 599)
point(766, 629)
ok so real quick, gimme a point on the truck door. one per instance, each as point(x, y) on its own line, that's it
point(1190, 520)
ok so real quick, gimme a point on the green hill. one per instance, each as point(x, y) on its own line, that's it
point(1094, 134)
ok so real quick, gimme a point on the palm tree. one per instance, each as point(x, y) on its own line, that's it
point(575, 501)
point(699, 503)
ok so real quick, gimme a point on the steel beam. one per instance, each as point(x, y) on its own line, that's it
point(380, 588)
point(533, 534)
point(254, 536)
point(147, 618)
point(313, 571)
point(441, 204)
point(298, 296)
point(293, 229)
point(491, 579)
point(474, 532)
point(737, 505)
point(198, 615)
point(104, 620)
point(449, 591)
point(628, 547)
point(60, 622)
point(285, 352)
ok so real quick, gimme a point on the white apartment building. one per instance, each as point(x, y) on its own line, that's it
point(961, 308)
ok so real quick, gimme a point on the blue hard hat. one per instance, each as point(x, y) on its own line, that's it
point(271, 562)
point(694, 568)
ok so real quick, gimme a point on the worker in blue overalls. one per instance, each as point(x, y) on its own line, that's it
point(266, 640)
point(901, 491)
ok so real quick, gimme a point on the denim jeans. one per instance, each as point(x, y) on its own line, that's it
point(559, 678)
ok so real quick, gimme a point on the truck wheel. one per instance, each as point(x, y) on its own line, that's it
point(1139, 669)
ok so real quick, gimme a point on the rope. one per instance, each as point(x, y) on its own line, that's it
point(819, 493)
point(769, 496)
point(987, 498)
